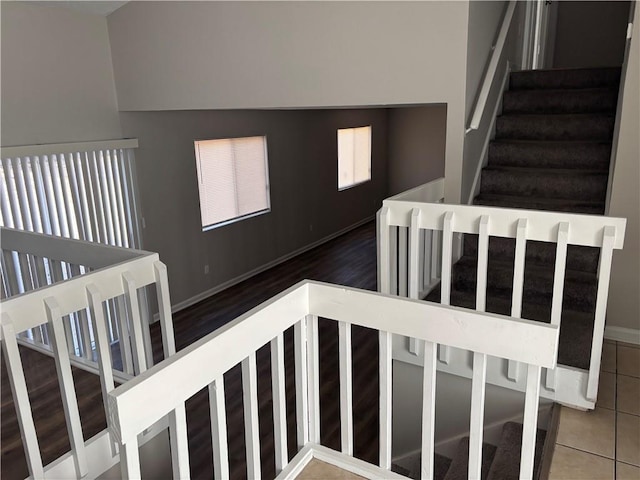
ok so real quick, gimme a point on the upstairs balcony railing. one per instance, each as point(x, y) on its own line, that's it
point(73, 319)
point(420, 239)
point(175, 380)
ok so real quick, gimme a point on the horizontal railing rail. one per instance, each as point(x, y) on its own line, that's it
point(403, 225)
point(172, 382)
point(89, 300)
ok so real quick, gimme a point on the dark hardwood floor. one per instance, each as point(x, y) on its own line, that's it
point(348, 260)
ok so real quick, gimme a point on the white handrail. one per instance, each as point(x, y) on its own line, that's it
point(49, 148)
point(179, 377)
point(490, 74)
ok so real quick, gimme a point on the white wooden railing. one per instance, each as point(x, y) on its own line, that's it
point(111, 276)
point(172, 382)
point(405, 254)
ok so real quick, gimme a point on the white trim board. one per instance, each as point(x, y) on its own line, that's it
point(621, 334)
point(234, 281)
point(337, 459)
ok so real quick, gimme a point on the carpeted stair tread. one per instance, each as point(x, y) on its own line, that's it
point(589, 207)
point(591, 155)
point(565, 78)
point(541, 253)
point(440, 467)
point(576, 126)
point(506, 463)
point(585, 100)
point(546, 183)
point(576, 328)
point(460, 464)
point(579, 287)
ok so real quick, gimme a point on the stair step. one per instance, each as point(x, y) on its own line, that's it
point(506, 463)
point(555, 127)
point(579, 294)
point(558, 154)
point(585, 100)
point(576, 329)
point(411, 469)
point(546, 183)
point(565, 78)
point(541, 253)
point(460, 464)
point(589, 207)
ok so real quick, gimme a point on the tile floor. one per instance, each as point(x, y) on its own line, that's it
point(604, 444)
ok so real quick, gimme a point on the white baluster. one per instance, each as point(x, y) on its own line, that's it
point(513, 369)
point(414, 267)
point(604, 275)
point(21, 398)
point(164, 304)
point(483, 261)
point(313, 375)
point(346, 388)
point(478, 387)
point(251, 421)
point(67, 389)
point(219, 429)
point(530, 422)
point(279, 403)
point(302, 390)
point(445, 283)
point(428, 410)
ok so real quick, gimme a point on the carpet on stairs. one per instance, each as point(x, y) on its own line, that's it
point(551, 152)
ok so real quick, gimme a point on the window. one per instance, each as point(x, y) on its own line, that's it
point(233, 179)
point(354, 156)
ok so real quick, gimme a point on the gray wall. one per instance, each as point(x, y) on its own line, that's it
point(590, 34)
point(485, 19)
point(416, 146)
point(213, 55)
point(624, 293)
point(305, 203)
point(57, 79)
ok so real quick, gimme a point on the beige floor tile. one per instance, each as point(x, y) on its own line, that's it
point(318, 470)
point(607, 391)
point(628, 394)
point(628, 361)
point(627, 472)
point(591, 431)
point(608, 362)
point(628, 439)
point(568, 463)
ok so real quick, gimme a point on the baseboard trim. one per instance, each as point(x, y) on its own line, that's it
point(621, 334)
point(241, 278)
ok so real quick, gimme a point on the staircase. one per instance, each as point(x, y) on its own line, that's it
point(551, 151)
point(499, 462)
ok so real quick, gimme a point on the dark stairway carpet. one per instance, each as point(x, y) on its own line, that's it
point(501, 462)
point(551, 152)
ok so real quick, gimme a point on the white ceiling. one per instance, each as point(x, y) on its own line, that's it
point(103, 8)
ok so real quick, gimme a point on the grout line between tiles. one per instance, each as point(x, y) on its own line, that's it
point(588, 453)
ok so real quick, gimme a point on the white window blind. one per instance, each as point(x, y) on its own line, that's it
point(233, 179)
point(69, 191)
point(354, 156)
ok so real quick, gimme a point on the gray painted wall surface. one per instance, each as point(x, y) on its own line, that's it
point(213, 55)
point(305, 203)
point(590, 34)
point(624, 291)
point(485, 19)
point(57, 78)
point(416, 146)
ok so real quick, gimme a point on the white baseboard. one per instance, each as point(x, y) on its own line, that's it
point(234, 281)
point(621, 334)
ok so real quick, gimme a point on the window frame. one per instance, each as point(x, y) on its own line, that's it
point(238, 218)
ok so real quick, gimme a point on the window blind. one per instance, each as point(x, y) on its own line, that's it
point(354, 156)
point(232, 179)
